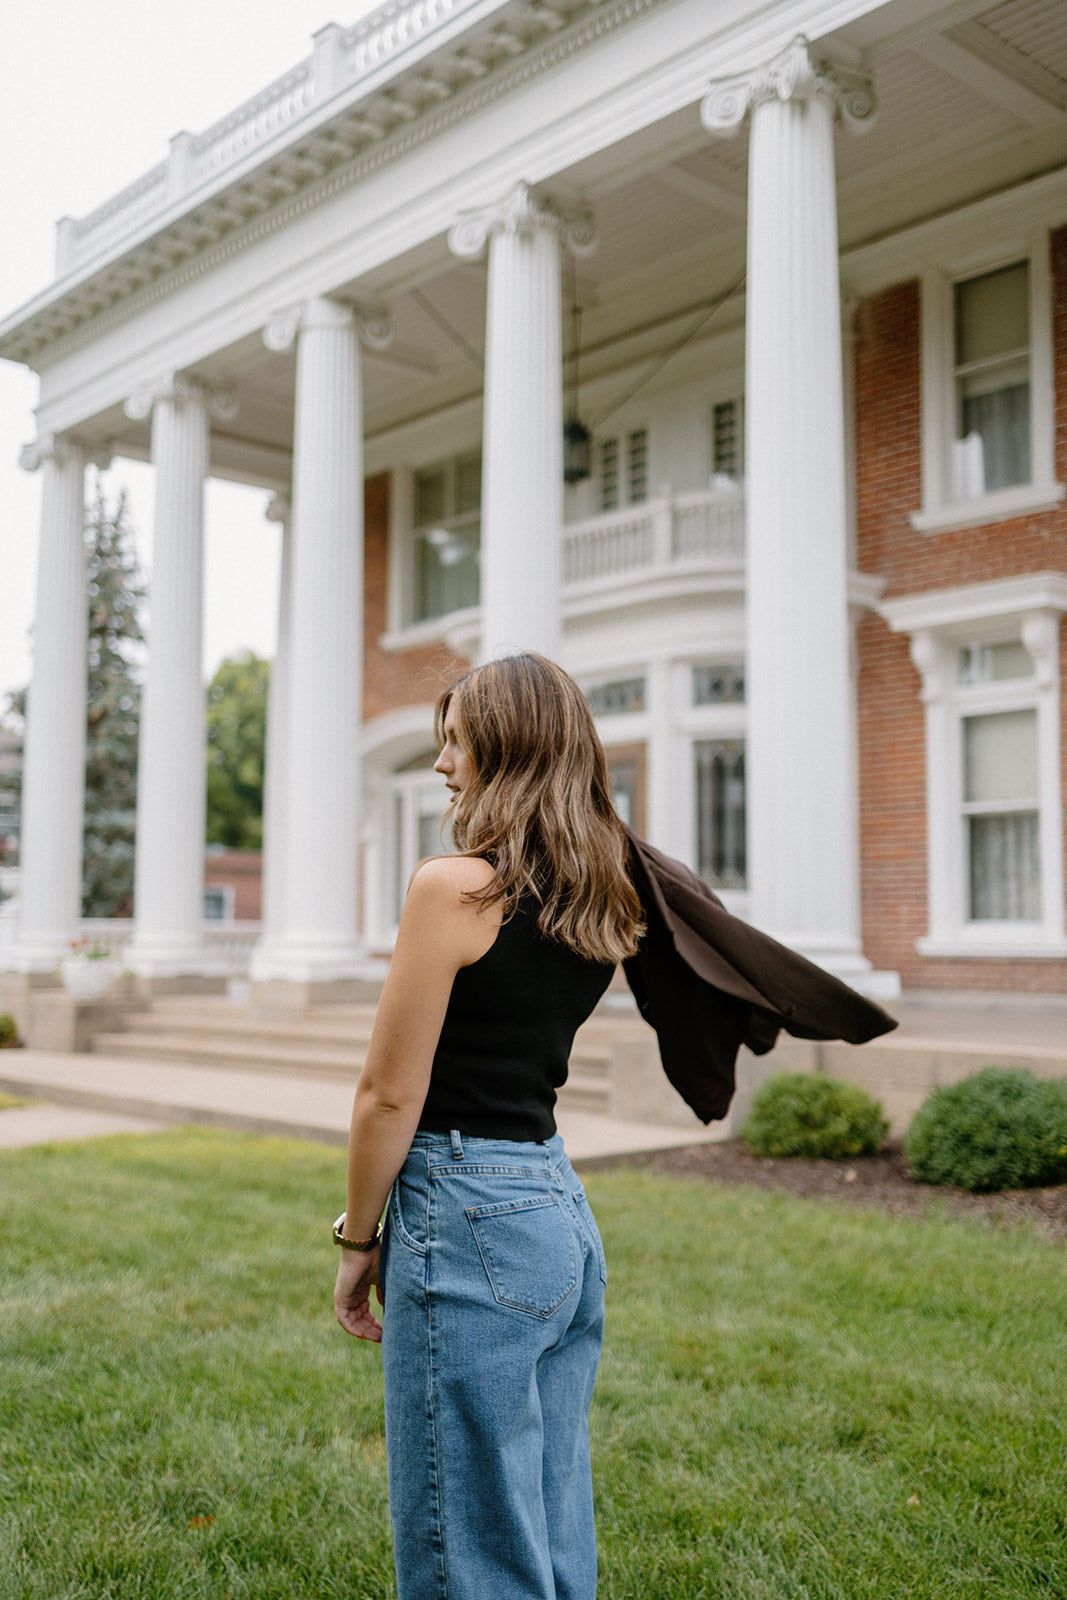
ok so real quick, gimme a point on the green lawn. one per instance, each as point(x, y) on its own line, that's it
point(796, 1399)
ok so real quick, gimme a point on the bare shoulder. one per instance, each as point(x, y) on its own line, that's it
point(448, 880)
point(439, 914)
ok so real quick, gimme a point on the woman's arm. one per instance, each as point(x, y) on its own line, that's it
point(439, 932)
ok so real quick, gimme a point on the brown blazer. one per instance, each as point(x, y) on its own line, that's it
point(709, 983)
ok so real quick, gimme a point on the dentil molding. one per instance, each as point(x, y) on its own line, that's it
point(794, 74)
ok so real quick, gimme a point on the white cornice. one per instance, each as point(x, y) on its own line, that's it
point(941, 610)
point(69, 313)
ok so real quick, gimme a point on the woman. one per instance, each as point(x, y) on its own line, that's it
point(491, 1263)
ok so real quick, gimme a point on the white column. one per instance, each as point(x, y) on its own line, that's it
point(171, 774)
point(802, 805)
point(275, 808)
point(522, 442)
point(319, 940)
point(53, 784)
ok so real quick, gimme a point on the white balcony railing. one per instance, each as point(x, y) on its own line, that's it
point(658, 536)
point(343, 58)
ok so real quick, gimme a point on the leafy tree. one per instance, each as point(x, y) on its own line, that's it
point(115, 593)
point(236, 740)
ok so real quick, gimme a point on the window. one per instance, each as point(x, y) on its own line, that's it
point(446, 519)
point(988, 441)
point(218, 902)
point(988, 656)
point(722, 685)
point(1002, 811)
point(720, 810)
point(627, 453)
point(992, 381)
point(626, 777)
point(620, 696)
point(727, 440)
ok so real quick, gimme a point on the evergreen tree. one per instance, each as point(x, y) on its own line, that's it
point(236, 740)
point(115, 593)
point(116, 642)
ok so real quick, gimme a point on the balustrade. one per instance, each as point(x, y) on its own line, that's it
point(656, 535)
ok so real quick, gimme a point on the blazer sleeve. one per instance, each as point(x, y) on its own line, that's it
point(708, 982)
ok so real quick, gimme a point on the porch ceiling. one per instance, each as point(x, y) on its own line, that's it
point(969, 105)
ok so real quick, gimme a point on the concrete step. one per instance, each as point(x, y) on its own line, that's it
point(317, 1060)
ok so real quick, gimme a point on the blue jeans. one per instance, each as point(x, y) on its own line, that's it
point(494, 1317)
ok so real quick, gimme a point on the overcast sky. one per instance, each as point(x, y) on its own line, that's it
point(89, 96)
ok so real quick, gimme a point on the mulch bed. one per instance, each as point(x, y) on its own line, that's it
point(880, 1182)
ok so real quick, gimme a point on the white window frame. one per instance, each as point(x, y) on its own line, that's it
point(940, 624)
point(227, 893)
point(402, 633)
point(709, 722)
point(942, 508)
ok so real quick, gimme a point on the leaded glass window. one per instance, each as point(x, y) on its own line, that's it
point(720, 804)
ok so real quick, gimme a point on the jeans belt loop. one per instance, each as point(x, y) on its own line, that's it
point(457, 1145)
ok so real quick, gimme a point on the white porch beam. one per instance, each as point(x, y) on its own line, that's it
point(975, 57)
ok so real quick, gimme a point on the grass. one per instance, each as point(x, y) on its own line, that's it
point(8, 1102)
point(796, 1400)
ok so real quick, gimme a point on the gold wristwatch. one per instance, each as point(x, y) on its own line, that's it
point(354, 1244)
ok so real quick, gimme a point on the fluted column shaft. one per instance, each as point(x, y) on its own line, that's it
point(53, 784)
point(522, 436)
point(522, 441)
point(324, 711)
point(802, 814)
point(171, 776)
point(275, 806)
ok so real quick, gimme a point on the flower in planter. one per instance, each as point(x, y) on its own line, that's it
point(91, 949)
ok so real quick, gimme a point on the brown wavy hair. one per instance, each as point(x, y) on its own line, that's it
point(538, 806)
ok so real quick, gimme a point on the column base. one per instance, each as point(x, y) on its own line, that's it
point(147, 986)
point(845, 960)
point(163, 956)
point(37, 959)
point(289, 996)
point(312, 961)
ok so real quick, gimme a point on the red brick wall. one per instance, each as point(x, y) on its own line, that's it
point(393, 678)
point(891, 720)
point(243, 871)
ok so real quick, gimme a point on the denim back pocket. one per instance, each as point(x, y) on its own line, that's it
point(581, 1205)
point(529, 1253)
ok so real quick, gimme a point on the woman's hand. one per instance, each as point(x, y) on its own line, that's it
point(357, 1271)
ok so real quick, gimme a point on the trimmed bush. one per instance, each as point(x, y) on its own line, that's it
point(1002, 1128)
point(8, 1032)
point(810, 1114)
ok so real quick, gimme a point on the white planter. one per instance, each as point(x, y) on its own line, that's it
point(88, 980)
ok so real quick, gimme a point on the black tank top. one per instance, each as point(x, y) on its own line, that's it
point(508, 1032)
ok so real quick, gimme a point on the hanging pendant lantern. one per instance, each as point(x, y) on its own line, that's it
point(577, 440)
point(577, 451)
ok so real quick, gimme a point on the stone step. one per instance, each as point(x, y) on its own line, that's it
point(354, 1032)
point(246, 1055)
point(294, 1052)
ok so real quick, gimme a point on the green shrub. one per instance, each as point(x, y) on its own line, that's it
point(809, 1114)
point(8, 1032)
point(1002, 1128)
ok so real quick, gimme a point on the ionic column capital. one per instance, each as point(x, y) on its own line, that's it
point(279, 509)
point(370, 319)
point(796, 73)
point(62, 448)
point(179, 389)
point(523, 212)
